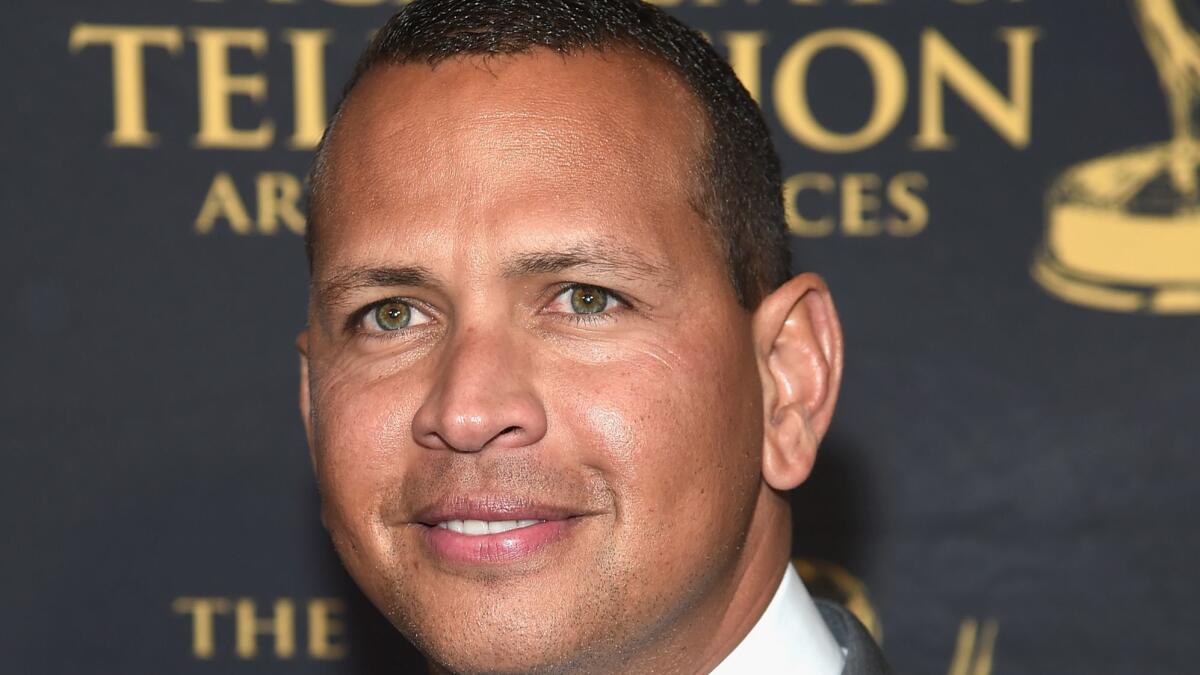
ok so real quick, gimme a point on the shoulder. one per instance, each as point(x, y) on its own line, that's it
point(863, 656)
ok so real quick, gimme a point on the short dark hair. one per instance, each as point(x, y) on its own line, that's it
point(740, 194)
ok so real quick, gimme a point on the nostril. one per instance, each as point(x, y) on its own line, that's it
point(506, 437)
point(435, 440)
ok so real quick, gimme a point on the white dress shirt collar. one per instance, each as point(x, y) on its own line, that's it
point(790, 637)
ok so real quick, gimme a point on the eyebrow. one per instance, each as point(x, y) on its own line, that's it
point(598, 257)
point(347, 281)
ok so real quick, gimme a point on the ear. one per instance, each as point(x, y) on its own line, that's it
point(798, 345)
point(305, 400)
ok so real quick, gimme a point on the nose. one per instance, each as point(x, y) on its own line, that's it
point(482, 397)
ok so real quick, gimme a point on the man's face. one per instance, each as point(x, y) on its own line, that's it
point(519, 317)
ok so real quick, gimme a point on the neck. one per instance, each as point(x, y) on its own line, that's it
point(767, 555)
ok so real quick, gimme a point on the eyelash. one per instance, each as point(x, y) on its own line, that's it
point(597, 317)
point(355, 322)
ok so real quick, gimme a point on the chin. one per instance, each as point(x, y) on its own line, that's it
point(498, 661)
point(488, 628)
point(489, 643)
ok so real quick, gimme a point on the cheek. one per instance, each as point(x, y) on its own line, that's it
point(675, 430)
point(362, 421)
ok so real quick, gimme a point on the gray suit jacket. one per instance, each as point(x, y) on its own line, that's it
point(862, 654)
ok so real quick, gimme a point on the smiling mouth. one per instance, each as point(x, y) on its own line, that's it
point(477, 528)
point(490, 529)
point(473, 542)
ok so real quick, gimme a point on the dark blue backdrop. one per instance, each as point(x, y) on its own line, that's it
point(1011, 475)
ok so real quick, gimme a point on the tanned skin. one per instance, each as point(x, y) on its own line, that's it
point(662, 430)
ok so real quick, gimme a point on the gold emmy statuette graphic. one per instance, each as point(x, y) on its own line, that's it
point(1123, 230)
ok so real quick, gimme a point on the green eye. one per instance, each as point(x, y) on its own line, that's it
point(588, 300)
point(393, 315)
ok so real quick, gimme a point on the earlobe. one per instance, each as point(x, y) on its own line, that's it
point(799, 348)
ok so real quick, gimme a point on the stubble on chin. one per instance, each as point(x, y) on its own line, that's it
point(537, 628)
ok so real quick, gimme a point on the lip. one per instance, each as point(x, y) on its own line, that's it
point(558, 523)
point(493, 507)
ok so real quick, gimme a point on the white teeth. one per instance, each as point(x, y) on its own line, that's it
point(498, 526)
point(476, 528)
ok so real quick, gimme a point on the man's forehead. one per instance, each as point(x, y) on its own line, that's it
point(589, 139)
point(541, 77)
point(613, 106)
